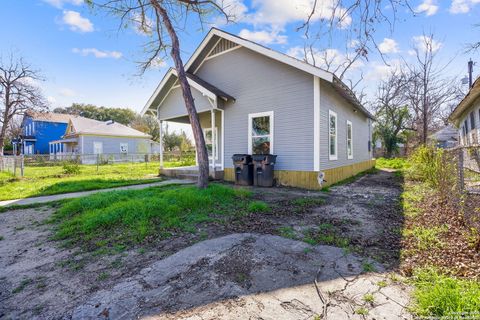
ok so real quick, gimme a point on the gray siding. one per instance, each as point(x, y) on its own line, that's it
point(174, 106)
point(112, 144)
point(260, 84)
point(361, 131)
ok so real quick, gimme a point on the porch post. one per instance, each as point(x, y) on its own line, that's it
point(161, 143)
point(214, 140)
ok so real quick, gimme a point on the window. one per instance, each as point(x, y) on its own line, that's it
point(207, 134)
point(472, 120)
point(465, 123)
point(332, 135)
point(97, 147)
point(123, 147)
point(260, 133)
point(349, 140)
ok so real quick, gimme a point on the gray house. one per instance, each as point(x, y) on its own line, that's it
point(89, 140)
point(254, 100)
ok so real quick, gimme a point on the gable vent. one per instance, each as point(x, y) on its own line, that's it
point(222, 45)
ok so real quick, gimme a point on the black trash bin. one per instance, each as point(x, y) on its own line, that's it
point(263, 167)
point(243, 167)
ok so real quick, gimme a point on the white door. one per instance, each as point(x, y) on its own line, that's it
point(97, 147)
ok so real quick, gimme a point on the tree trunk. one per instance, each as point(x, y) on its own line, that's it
point(3, 131)
point(187, 97)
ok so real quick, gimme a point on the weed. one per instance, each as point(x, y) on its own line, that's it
point(369, 298)
point(382, 284)
point(71, 167)
point(258, 207)
point(362, 311)
point(103, 276)
point(142, 251)
point(287, 232)
point(438, 295)
point(117, 263)
point(23, 284)
point(393, 163)
point(426, 237)
point(307, 250)
point(368, 267)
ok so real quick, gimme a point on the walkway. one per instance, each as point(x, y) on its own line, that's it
point(56, 197)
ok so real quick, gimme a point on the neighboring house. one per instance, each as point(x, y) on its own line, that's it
point(447, 137)
point(260, 101)
point(90, 140)
point(466, 118)
point(38, 129)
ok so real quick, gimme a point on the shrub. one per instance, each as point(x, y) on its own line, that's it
point(71, 167)
point(433, 166)
point(439, 295)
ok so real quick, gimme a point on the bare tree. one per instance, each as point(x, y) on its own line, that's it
point(428, 92)
point(354, 22)
point(18, 92)
point(161, 20)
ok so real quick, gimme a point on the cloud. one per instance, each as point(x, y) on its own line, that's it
point(263, 37)
point(51, 100)
point(278, 13)
point(424, 43)
point(158, 63)
point(66, 92)
point(76, 21)
point(380, 71)
point(388, 46)
point(328, 59)
point(462, 6)
point(142, 25)
point(60, 3)
point(97, 53)
point(429, 7)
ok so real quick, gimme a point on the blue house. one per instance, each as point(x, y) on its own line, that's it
point(38, 129)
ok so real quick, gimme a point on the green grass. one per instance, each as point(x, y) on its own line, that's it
point(426, 238)
point(325, 234)
point(120, 218)
point(22, 285)
point(41, 181)
point(438, 295)
point(258, 206)
point(393, 163)
point(287, 232)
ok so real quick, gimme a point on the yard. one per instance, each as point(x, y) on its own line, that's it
point(373, 246)
point(49, 180)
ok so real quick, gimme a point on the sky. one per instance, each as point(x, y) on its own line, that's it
point(85, 57)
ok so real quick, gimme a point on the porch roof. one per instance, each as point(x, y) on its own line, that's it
point(170, 79)
point(64, 140)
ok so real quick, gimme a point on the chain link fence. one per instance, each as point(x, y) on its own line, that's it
point(12, 164)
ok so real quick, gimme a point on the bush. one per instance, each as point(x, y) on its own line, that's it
point(71, 167)
point(433, 166)
point(438, 295)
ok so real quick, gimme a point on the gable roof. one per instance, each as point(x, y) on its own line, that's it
point(206, 45)
point(466, 102)
point(48, 116)
point(94, 127)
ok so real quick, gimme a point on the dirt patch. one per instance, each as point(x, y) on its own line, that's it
point(49, 280)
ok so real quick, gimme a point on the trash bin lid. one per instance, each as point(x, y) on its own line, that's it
point(264, 158)
point(240, 157)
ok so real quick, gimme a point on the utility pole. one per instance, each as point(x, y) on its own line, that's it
point(470, 73)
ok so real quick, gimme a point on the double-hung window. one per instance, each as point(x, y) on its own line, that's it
point(332, 135)
point(209, 141)
point(260, 133)
point(349, 140)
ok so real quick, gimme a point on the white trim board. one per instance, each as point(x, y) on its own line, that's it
point(272, 129)
point(349, 123)
point(316, 123)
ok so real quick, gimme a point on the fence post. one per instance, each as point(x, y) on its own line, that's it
point(460, 175)
point(14, 166)
point(22, 165)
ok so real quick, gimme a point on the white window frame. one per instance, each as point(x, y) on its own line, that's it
point(98, 143)
point(122, 144)
point(251, 116)
point(350, 156)
point(333, 156)
point(216, 140)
